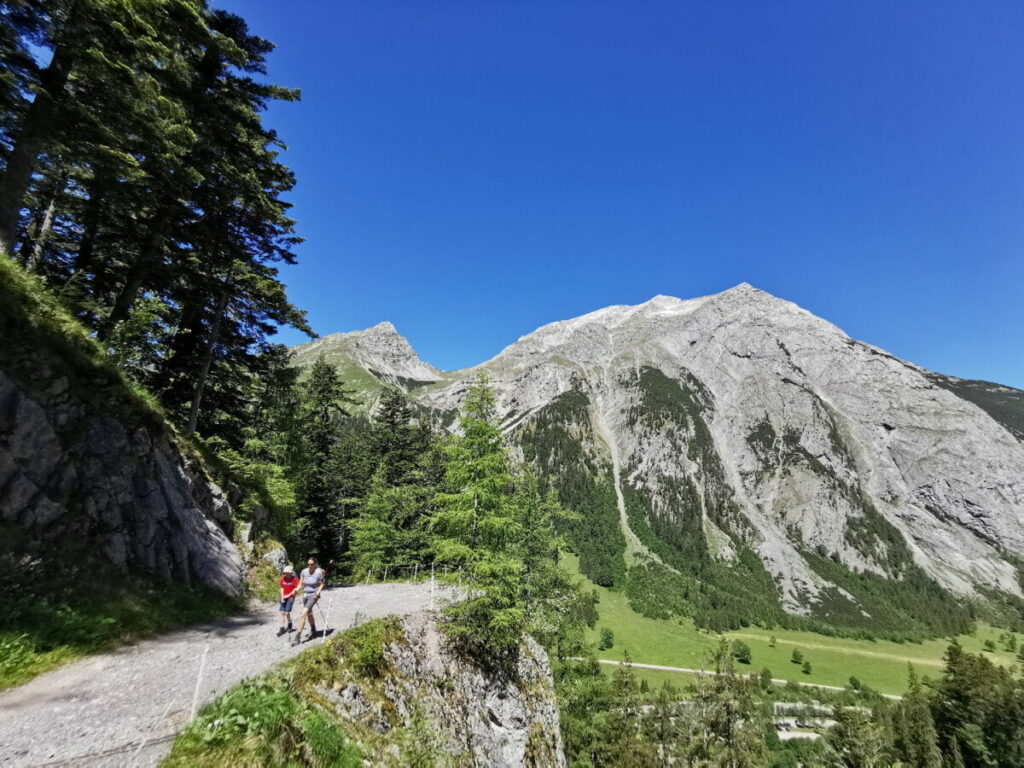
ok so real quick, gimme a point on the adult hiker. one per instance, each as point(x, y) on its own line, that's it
point(289, 585)
point(312, 579)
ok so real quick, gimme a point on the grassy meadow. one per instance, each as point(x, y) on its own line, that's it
point(880, 664)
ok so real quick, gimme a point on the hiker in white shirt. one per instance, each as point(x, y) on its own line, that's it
point(312, 579)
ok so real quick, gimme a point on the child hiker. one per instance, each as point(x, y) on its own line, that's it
point(289, 585)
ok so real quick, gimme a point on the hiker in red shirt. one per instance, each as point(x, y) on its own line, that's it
point(289, 585)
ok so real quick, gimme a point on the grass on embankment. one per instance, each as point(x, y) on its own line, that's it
point(42, 632)
point(881, 664)
point(282, 720)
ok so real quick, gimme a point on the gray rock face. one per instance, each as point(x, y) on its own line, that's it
point(380, 350)
point(69, 473)
point(476, 717)
point(780, 433)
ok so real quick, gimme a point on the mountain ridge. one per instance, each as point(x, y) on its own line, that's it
point(742, 422)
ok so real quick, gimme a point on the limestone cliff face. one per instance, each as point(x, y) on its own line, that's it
point(748, 421)
point(75, 477)
point(472, 717)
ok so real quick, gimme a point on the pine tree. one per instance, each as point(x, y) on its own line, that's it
point(477, 525)
point(855, 741)
point(915, 742)
point(397, 440)
point(728, 725)
point(323, 413)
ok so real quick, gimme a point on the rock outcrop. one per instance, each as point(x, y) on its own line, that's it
point(76, 478)
point(468, 716)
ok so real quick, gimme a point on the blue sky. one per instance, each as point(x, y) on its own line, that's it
point(472, 170)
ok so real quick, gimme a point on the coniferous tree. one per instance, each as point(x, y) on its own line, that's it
point(324, 411)
point(626, 745)
point(855, 741)
point(915, 741)
point(477, 525)
point(729, 729)
point(391, 527)
point(152, 190)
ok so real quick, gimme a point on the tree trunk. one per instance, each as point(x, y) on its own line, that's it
point(32, 139)
point(204, 369)
point(136, 275)
point(44, 233)
point(91, 223)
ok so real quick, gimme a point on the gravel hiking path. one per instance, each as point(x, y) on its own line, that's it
point(124, 708)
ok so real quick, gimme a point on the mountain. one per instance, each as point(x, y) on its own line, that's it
point(735, 450)
point(368, 360)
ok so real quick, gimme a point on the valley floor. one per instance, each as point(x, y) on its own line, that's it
point(881, 664)
point(125, 707)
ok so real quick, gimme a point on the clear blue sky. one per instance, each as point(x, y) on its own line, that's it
point(472, 170)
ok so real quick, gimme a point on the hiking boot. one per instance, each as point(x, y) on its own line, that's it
point(281, 631)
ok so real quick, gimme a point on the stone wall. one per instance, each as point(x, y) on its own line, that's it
point(74, 475)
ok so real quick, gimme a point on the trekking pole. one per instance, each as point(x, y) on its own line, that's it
point(323, 614)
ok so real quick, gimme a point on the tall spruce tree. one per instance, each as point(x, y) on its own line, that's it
point(325, 404)
point(476, 524)
point(915, 741)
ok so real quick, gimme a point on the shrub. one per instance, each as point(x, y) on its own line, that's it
point(607, 639)
point(741, 652)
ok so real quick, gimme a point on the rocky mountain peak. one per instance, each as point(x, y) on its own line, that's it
point(381, 350)
point(750, 425)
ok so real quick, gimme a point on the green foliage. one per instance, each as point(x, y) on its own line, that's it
point(363, 646)
point(139, 182)
point(1002, 403)
point(65, 618)
point(35, 328)
point(418, 745)
point(263, 722)
point(915, 741)
point(324, 403)
point(741, 652)
point(729, 729)
point(551, 441)
point(477, 524)
point(911, 607)
point(325, 744)
point(715, 594)
point(391, 526)
point(806, 669)
point(797, 657)
point(607, 639)
point(856, 740)
point(979, 707)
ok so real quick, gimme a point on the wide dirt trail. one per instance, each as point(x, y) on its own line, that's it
point(124, 708)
